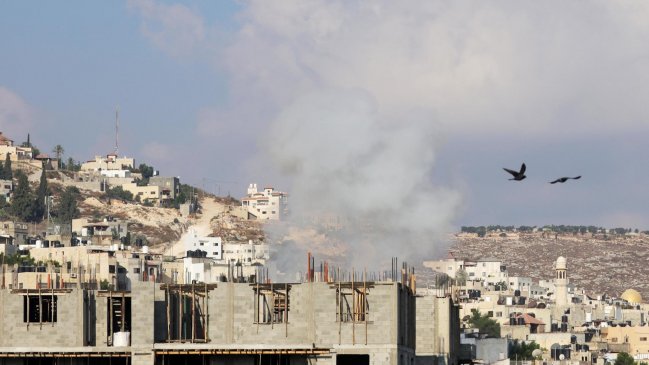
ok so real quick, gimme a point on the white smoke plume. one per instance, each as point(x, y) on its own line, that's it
point(371, 172)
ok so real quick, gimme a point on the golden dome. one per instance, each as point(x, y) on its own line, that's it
point(632, 296)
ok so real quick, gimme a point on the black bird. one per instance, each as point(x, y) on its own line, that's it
point(564, 179)
point(518, 175)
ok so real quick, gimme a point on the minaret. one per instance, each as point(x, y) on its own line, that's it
point(561, 282)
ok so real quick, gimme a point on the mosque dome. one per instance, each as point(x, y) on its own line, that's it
point(632, 296)
point(561, 263)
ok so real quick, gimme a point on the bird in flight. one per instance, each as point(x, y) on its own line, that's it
point(518, 175)
point(564, 179)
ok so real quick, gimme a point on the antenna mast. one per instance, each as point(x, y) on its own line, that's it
point(117, 130)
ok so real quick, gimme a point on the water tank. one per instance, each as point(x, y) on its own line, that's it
point(521, 321)
point(564, 318)
point(508, 301)
point(39, 244)
point(573, 339)
point(564, 327)
point(145, 249)
point(512, 321)
point(554, 327)
point(589, 317)
point(517, 293)
point(121, 339)
point(121, 246)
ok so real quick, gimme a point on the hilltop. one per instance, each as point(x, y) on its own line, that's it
point(604, 262)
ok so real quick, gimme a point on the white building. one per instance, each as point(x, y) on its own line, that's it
point(115, 173)
point(237, 259)
point(267, 204)
point(490, 271)
point(522, 283)
point(110, 162)
point(246, 253)
point(211, 245)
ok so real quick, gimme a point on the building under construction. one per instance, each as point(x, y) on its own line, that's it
point(313, 322)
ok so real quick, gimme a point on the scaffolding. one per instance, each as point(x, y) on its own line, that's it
point(187, 312)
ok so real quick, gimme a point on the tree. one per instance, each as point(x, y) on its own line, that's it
point(624, 359)
point(22, 202)
point(523, 350)
point(67, 208)
point(7, 173)
point(145, 170)
point(41, 194)
point(58, 151)
point(119, 193)
point(461, 277)
point(484, 324)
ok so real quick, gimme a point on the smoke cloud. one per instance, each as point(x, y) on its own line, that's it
point(368, 172)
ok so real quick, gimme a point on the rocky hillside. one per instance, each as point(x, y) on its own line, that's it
point(598, 263)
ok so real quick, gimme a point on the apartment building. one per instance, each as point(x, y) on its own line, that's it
point(266, 205)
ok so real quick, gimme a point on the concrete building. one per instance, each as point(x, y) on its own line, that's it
point(110, 162)
point(17, 230)
point(152, 194)
point(225, 323)
point(6, 188)
point(521, 283)
point(489, 271)
point(170, 186)
point(268, 204)
point(212, 246)
point(116, 173)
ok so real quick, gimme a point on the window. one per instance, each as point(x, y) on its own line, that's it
point(272, 304)
point(136, 270)
point(643, 339)
point(39, 308)
point(215, 253)
point(352, 306)
point(111, 269)
point(202, 243)
point(216, 244)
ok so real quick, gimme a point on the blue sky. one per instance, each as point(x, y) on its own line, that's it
point(207, 89)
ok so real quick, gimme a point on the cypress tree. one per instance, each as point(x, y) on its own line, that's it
point(67, 208)
point(22, 201)
point(6, 171)
point(39, 203)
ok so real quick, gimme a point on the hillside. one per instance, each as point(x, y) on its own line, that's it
point(598, 263)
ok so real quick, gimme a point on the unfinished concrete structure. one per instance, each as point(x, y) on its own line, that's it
point(337, 322)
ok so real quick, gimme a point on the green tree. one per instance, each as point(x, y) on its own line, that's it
point(41, 193)
point(22, 202)
point(58, 151)
point(523, 350)
point(118, 192)
point(146, 170)
point(67, 208)
point(7, 173)
point(624, 359)
point(484, 324)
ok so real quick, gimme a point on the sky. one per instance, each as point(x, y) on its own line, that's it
point(405, 112)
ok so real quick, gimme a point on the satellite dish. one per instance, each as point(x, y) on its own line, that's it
point(562, 357)
point(537, 353)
